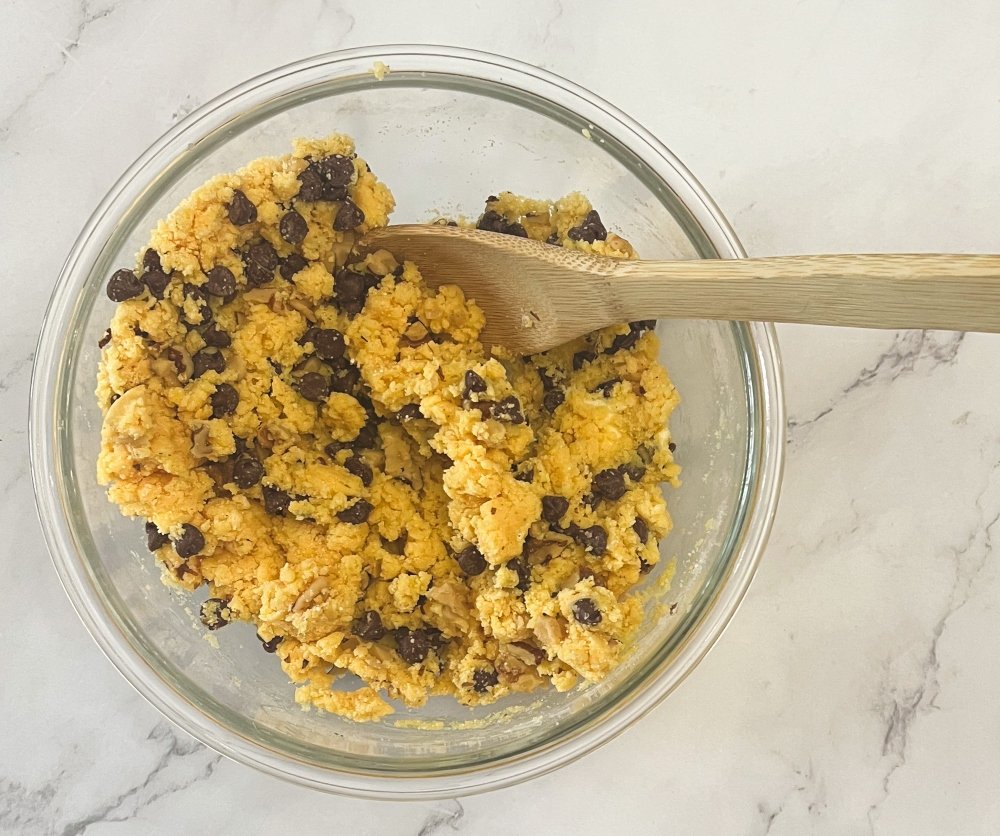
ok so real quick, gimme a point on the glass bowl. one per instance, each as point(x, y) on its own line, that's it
point(444, 129)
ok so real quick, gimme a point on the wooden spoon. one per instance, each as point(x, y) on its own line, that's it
point(536, 296)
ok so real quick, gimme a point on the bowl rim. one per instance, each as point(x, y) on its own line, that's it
point(717, 611)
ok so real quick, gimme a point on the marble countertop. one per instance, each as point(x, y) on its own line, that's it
point(857, 688)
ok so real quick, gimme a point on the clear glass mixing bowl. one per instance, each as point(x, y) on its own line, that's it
point(444, 129)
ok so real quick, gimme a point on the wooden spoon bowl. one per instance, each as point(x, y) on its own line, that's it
point(537, 296)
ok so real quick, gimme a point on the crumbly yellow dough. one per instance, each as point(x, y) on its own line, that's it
point(428, 516)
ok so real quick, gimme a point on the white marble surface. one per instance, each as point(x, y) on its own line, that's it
point(857, 689)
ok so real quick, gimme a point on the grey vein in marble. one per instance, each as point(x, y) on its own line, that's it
point(938, 348)
point(182, 763)
point(901, 711)
point(66, 51)
point(448, 816)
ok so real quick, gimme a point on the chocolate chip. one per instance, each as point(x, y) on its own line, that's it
point(523, 573)
point(224, 400)
point(260, 261)
point(484, 679)
point(410, 412)
point(586, 612)
point(313, 387)
point(369, 626)
point(607, 387)
point(644, 567)
point(554, 508)
point(293, 227)
point(215, 613)
point(345, 380)
point(594, 540)
point(208, 360)
point(349, 286)
point(635, 472)
point(241, 209)
point(628, 340)
point(412, 645)
point(641, 529)
point(357, 466)
point(270, 645)
point(526, 475)
point(263, 253)
point(190, 543)
point(275, 501)
point(292, 264)
point(493, 221)
point(582, 357)
point(471, 561)
point(552, 399)
point(484, 405)
point(247, 472)
point(367, 437)
point(352, 307)
point(124, 284)
point(672, 447)
point(200, 298)
point(609, 484)
point(553, 239)
point(220, 281)
point(590, 229)
point(154, 539)
point(103, 341)
point(275, 365)
point(222, 474)
point(348, 216)
point(329, 343)
point(357, 513)
point(508, 409)
point(335, 170)
point(151, 261)
point(591, 500)
point(156, 281)
point(474, 383)
point(214, 336)
point(311, 184)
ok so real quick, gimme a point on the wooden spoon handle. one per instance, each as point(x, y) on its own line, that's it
point(951, 292)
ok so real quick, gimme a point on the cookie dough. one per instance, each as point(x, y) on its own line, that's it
point(320, 438)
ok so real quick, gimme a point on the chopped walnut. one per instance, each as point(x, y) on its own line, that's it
point(303, 308)
point(308, 595)
point(399, 463)
point(382, 262)
point(201, 442)
point(525, 653)
point(452, 605)
point(550, 631)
